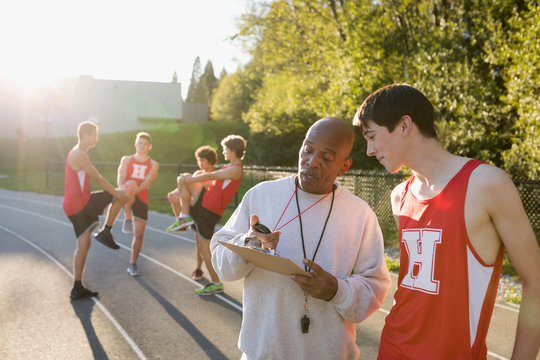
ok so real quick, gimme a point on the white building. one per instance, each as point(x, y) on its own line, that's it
point(56, 109)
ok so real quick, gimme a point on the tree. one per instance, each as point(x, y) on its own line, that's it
point(228, 102)
point(206, 85)
point(194, 83)
point(322, 58)
point(202, 85)
point(517, 53)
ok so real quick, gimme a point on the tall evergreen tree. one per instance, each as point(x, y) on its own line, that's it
point(202, 85)
point(209, 80)
point(195, 78)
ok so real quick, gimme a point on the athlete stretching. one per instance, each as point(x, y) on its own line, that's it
point(81, 206)
point(142, 170)
point(211, 203)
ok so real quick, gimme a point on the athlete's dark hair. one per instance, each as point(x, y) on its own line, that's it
point(86, 127)
point(235, 143)
point(207, 152)
point(386, 106)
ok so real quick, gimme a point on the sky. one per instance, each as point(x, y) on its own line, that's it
point(117, 39)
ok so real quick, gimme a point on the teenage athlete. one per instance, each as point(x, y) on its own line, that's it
point(184, 196)
point(143, 170)
point(212, 203)
point(455, 217)
point(81, 206)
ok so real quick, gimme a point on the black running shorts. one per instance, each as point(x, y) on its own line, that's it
point(205, 220)
point(87, 219)
point(140, 209)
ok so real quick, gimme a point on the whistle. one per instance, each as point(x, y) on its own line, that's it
point(304, 322)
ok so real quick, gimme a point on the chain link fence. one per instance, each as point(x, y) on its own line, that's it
point(375, 189)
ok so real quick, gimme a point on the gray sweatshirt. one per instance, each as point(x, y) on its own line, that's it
point(351, 249)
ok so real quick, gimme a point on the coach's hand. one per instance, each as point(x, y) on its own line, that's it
point(322, 285)
point(269, 241)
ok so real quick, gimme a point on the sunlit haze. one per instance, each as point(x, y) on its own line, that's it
point(117, 39)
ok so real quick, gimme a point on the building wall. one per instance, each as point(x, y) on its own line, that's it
point(117, 106)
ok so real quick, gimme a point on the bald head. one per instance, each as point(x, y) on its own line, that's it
point(337, 130)
point(324, 155)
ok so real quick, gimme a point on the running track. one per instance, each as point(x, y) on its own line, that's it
point(155, 316)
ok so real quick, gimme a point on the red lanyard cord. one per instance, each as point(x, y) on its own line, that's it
point(299, 213)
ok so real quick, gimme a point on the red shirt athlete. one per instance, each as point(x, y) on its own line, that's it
point(455, 216)
point(446, 292)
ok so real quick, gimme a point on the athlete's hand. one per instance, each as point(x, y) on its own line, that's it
point(121, 196)
point(322, 285)
point(269, 241)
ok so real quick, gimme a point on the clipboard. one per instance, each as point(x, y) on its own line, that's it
point(265, 261)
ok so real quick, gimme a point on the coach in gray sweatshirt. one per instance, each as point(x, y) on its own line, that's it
point(321, 227)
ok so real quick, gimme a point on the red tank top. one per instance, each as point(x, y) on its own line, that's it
point(138, 171)
point(446, 293)
point(220, 193)
point(76, 189)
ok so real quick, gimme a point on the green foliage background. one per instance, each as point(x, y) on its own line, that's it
point(477, 61)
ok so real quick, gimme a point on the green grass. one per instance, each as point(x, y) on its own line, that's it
point(30, 182)
point(391, 263)
point(176, 147)
point(513, 298)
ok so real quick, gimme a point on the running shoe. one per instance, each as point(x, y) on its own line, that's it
point(106, 238)
point(81, 293)
point(127, 226)
point(181, 224)
point(132, 270)
point(197, 274)
point(210, 289)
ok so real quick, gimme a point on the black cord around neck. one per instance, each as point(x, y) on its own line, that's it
point(324, 228)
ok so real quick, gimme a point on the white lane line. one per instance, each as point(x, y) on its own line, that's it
point(221, 297)
point(118, 327)
point(59, 206)
point(171, 234)
point(31, 201)
point(509, 308)
point(497, 356)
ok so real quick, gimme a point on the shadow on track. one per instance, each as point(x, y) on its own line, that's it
point(83, 309)
point(212, 351)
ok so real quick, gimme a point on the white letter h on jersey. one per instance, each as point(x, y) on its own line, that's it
point(420, 245)
point(138, 171)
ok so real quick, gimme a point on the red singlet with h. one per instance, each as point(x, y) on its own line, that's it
point(446, 293)
point(138, 171)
